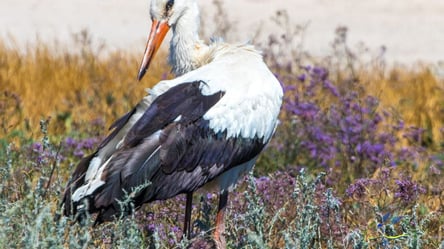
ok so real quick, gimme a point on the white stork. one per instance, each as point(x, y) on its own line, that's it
point(203, 128)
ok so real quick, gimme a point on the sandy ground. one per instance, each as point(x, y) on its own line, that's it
point(411, 30)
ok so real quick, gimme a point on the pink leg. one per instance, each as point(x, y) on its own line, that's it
point(220, 223)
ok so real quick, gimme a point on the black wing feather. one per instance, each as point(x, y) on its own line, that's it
point(138, 159)
point(77, 179)
point(182, 99)
point(117, 126)
point(176, 155)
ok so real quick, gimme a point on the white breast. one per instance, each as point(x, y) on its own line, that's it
point(253, 95)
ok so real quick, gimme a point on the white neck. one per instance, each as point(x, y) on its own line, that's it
point(184, 42)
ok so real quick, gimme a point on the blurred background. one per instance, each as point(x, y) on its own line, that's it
point(356, 161)
point(411, 30)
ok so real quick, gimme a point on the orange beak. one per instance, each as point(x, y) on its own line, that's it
point(158, 31)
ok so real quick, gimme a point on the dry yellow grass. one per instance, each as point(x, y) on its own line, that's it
point(77, 88)
point(70, 88)
point(415, 94)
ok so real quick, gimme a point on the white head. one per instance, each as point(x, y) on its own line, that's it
point(164, 15)
point(170, 11)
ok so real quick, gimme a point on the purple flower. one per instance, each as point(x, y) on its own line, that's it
point(359, 187)
point(319, 73)
point(90, 143)
point(372, 102)
point(302, 77)
point(289, 88)
point(306, 110)
point(408, 191)
point(79, 153)
point(151, 227)
point(329, 86)
point(414, 134)
point(400, 125)
point(37, 147)
point(70, 142)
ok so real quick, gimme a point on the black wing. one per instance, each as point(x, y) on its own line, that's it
point(172, 147)
point(77, 178)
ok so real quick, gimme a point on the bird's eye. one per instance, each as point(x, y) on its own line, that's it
point(169, 5)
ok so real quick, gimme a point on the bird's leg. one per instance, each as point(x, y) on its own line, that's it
point(187, 225)
point(220, 223)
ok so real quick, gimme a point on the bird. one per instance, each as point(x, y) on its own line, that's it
point(203, 129)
